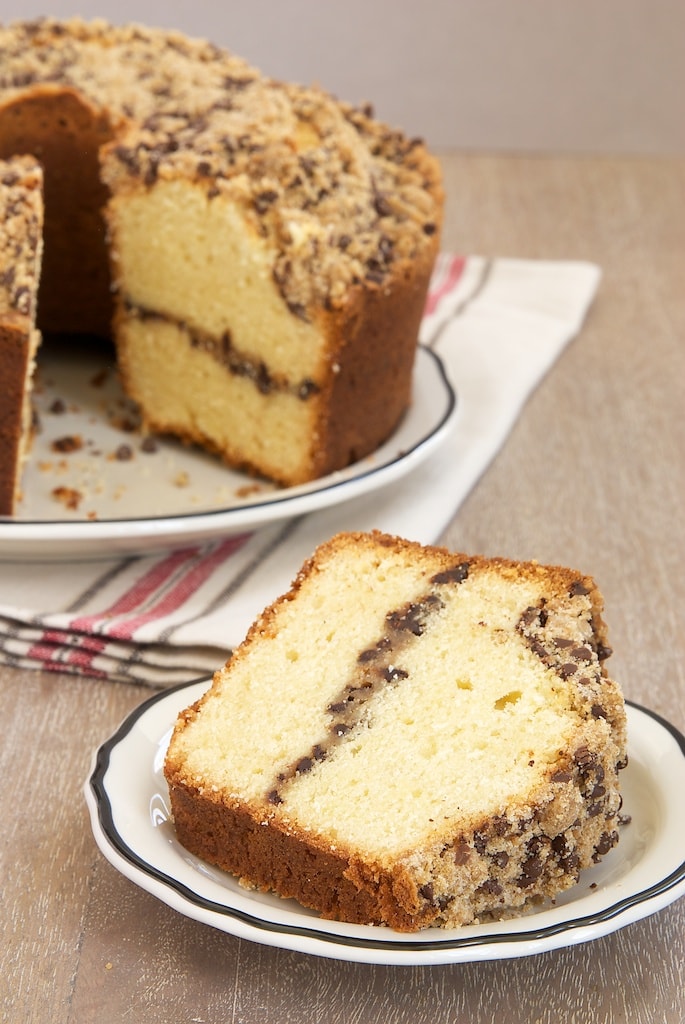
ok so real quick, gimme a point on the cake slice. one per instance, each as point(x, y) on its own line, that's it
point(408, 737)
point(21, 225)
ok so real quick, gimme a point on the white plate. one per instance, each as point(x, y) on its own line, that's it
point(127, 798)
point(174, 495)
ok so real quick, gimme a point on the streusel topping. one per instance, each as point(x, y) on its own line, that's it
point(21, 218)
point(340, 196)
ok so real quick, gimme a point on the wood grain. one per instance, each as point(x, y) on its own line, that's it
point(593, 475)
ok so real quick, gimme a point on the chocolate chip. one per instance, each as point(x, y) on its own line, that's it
point(392, 673)
point(426, 892)
point(560, 844)
point(462, 852)
point(529, 616)
point(264, 200)
point(306, 389)
point(584, 757)
point(382, 206)
point(606, 842)
point(480, 842)
point(408, 620)
point(538, 648)
point(531, 871)
point(456, 575)
point(490, 887)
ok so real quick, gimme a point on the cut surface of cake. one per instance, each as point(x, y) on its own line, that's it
point(260, 251)
point(410, 737)
point(21, 223)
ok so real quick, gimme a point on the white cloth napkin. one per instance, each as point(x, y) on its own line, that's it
point(498, 325)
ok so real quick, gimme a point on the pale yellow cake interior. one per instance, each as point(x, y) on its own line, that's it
point(166, 375)
point(199, 262)
point(503, 716)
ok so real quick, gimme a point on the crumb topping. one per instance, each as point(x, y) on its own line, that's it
point(21, 217)
point(338, 195)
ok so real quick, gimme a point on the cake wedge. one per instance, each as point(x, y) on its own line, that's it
point(21, 246)
point(410, 737)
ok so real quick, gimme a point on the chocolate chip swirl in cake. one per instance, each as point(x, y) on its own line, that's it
point(268, 248)
point(409, 737)
point(21, 225)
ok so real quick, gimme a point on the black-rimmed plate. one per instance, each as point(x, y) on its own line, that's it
point(92, 488)
point(128, 803)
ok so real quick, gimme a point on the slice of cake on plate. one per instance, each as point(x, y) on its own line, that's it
point(408, 737)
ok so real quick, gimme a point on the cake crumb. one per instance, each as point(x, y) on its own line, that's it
point(67, 444)
point(67, 496)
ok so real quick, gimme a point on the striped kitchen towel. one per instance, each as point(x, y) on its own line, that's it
point(498, 325)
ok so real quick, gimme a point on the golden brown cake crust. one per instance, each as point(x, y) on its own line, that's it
point(14, 354)
point(378, 333)
point(486, 864)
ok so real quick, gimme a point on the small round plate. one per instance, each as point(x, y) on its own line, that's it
point(92, 489)
point(128, 802)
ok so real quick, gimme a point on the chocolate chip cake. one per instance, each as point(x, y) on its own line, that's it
point(21, 243)
point(260, 251)
point(409, 737)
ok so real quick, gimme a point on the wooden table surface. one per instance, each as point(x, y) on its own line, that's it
point(593, 475)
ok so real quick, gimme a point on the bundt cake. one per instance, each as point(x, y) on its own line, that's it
point(259, 252)
point(409, 737)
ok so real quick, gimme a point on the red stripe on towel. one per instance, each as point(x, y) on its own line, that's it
point(141, 590)
point(181, 591)
point(444, 281)
point(82, 654)
point(47, 648)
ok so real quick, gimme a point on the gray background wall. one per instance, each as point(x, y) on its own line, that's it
point(581, 76)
